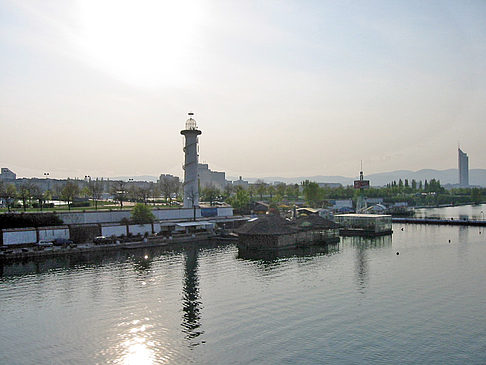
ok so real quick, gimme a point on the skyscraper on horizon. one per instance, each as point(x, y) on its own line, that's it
point(463, 162)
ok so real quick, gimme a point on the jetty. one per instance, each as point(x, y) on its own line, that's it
point(441, 221)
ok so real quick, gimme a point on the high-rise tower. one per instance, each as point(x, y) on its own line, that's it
point(191, 188)
point(463, 162)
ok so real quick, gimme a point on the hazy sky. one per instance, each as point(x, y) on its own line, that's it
point(279, 88)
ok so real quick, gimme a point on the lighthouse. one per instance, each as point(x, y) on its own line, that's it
point(191, 188)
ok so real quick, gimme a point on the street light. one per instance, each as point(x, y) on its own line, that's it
point(46, 175)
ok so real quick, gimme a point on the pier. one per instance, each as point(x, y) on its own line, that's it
point(441, 221)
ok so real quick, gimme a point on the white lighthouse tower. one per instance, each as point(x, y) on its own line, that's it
point(191, 188)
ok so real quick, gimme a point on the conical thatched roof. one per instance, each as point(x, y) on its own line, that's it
point(315, 222)
point(266, 225)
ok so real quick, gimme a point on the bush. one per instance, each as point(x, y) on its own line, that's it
point(142, 214)
point(29, 220)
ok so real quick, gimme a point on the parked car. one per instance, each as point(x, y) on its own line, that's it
point(44, 243)
point(102, 239)
point(62, 241)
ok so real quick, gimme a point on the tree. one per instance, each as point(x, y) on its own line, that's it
point(142, 214)
point(210, 193)
point(69, 192)
point(133, 193)
point(271, 191)
point(228, 190)
point(144, 193)
point(95, 188)
point(260, 188)
point(8, 193)
point(155, 192)
point(24, 194)
point(119, 191)
point(37, 194)
point(281, 189)
point(251, 192)
point(241, 199)
point(476, 195)
point(169, 186)
point(292, 191)
point(312, 193)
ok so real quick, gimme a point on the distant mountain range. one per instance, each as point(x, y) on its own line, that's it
point(450, 176)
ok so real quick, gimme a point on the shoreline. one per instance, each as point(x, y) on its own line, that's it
point(22, 254)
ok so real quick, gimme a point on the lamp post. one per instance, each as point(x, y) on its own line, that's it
point(46, 175)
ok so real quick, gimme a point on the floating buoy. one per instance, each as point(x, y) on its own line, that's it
point(449, 241)
point(398, 253)
point(402, 228)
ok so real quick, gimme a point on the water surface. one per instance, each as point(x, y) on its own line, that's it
point(354, 303)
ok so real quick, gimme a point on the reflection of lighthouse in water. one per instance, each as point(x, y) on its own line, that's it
point(191, 188)
point(191, 300)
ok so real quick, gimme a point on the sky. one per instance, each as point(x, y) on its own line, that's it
point(278, 88)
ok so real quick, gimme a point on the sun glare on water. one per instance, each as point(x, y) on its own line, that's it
point(145, 43)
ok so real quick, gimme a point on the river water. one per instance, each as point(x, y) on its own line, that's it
point(458, 212)
point(357, 302)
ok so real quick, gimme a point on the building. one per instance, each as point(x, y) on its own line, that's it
point(7, 174)
point(240, 182)
point(463, 162)
point(191, 186)
point(330, 185)
point(207, 177)
point(270, 232)
point(367, 225)
point(168, 178)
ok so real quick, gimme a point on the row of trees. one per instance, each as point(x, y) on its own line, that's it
point(415, 192)
point(71, 190)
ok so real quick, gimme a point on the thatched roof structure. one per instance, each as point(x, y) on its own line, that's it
point(266, 225)
point(315, 222)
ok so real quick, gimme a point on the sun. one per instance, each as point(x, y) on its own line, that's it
point(145, 43)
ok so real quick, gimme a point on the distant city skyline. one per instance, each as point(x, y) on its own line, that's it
point(282, 88)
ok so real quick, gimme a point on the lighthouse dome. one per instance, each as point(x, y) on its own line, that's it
point(191, 124)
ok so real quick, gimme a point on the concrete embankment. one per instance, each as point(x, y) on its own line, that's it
point(20, 254)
